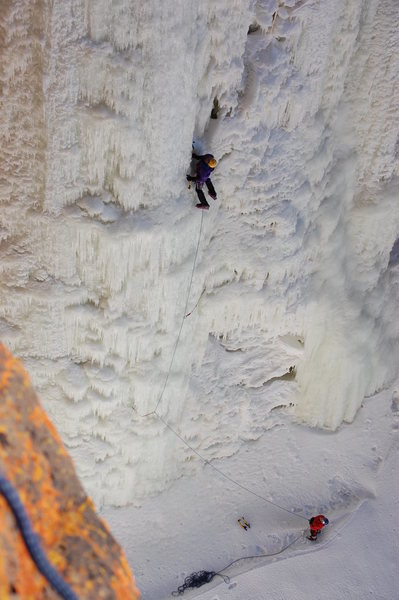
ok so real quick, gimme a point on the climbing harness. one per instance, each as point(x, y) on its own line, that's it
point(32, 541)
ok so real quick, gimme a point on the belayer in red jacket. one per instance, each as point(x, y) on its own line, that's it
point(316, 524)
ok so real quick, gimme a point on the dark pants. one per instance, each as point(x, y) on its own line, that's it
point(200, 193)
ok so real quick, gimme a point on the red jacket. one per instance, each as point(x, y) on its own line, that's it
point(317, 523)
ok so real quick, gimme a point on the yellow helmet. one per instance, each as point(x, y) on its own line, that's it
point(212, 162)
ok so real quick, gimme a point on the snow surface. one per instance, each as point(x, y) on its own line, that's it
point(349, 475)
point(291, 278)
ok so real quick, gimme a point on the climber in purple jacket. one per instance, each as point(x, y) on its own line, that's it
point(205, 166)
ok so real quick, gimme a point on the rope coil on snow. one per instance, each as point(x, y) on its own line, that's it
point(32, 541)
point(199, 578)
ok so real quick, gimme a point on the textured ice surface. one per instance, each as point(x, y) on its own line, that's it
point(100, 104)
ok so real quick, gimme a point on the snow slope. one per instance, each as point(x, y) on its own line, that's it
point(291, 278)
point(349, 475)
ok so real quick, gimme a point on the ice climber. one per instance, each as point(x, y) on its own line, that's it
point(316, 524)
point(205, 165)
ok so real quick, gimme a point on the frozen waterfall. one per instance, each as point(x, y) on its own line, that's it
point(295, 280)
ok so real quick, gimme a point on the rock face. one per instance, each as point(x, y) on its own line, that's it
point(77, 543)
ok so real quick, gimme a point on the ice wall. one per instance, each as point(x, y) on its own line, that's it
point(100, 103)
point(352, 340)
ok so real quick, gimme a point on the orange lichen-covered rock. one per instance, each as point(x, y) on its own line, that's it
point(76, 541)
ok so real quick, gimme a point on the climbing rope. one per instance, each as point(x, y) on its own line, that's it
point(196, 580)
point(181, 325)
point(154, 412)
point(262, 555)
point(196, 304)
point(243, 487)
point(199, 578)
point(32, 541)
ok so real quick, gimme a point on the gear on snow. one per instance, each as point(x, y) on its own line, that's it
point(244, 523)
